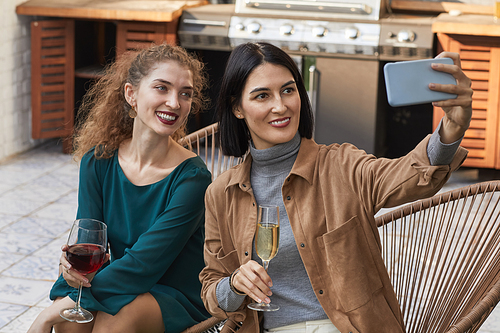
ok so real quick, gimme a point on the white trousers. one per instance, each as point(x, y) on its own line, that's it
point(314, 326)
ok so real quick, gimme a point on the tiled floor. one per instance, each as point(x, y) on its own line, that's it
point(38, 197)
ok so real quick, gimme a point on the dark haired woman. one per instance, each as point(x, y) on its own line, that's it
point(149, 190)
point(328, 275)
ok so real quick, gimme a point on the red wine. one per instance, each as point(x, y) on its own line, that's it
point(86, 258)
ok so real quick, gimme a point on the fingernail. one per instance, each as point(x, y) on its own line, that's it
point(432, 85)
point(270, 284)
point(259, 300)
point(434, 65)
point(270, 293)
point(267, 300)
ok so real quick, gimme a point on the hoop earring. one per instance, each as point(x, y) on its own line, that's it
point(132, 113)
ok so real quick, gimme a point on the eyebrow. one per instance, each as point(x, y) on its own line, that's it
point(168, 83)
point(266, 89)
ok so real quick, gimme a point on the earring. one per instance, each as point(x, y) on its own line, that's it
point(132, 113)
point(239, 116)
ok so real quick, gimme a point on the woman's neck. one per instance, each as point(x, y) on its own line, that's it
point(277, 158)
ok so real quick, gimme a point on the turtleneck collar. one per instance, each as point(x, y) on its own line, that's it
point(277, 159)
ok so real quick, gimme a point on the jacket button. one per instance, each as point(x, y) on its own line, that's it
point(288, 179)
point(253, 204)
point(243, 185)
point(321, 292)
point(246, 253)
point(288, 198)
point(302, 244)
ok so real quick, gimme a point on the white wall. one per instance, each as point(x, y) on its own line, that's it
point(15, 76)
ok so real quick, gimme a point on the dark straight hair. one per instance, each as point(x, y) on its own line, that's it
point(234, 133)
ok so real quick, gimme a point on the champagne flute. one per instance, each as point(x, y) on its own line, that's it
point(86, 252)
point(266, 244)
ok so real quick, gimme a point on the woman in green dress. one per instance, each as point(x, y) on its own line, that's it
point(149, 190)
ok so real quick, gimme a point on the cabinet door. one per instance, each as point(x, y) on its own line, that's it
point(480, 57)
point(140, 35)
point(52, 78)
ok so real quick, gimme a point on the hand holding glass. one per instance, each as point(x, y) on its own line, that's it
point(86, 252)
point(266, 244)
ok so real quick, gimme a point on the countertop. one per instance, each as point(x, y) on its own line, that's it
point(467, 24)
point(127, 10)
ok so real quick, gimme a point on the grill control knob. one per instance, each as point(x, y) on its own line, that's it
point(240, 27)
point(287, 29)
point(406, 36)
point(351, 33)
point(254, 27)
point(319, 31)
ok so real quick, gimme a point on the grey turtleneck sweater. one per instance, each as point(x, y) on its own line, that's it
point(292, 289)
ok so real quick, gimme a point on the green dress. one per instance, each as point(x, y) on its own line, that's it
point(156, 235)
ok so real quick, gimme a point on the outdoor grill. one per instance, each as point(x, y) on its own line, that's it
point(341, 47)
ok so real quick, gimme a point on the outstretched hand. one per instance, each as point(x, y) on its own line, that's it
point(458, 111)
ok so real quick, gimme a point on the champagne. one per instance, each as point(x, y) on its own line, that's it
point(267, 240)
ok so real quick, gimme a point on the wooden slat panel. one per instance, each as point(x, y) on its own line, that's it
point(52, 61)
point(134, 45)
point(476, 153)
point(479, 85)
point(47, 98)
point(58, 69)
point(473, 143)
point(52, 116)
point(474, 55)
point(52, 67)
point(480, 95)
point(475, 123)
point(53, 42)
point(479, 106)
point(476, 75)
point(52, 88)
point(52, 106)
point(475, 133)
point(475, 65)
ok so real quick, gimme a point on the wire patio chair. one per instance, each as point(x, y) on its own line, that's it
point(443, 258)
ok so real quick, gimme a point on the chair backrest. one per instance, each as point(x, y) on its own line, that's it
point(205, 143)
point(443, 258)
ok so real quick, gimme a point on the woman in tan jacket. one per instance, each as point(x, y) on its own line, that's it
point(328, 275)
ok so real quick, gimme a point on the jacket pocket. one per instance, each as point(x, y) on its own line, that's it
point(229, 261)
point(350, 262)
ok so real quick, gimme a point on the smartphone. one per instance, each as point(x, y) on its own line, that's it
point(407, 82)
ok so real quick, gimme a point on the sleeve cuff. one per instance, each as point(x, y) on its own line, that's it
point(228, 300)
point(440, 153)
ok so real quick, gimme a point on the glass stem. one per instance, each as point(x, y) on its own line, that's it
point(77, 304)
point(265, 264)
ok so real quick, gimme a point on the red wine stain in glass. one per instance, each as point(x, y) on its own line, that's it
point(86, 258)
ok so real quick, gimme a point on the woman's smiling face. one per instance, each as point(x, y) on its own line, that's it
point(270, 105)
point(163, 98)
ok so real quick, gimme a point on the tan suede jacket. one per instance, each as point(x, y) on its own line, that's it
point(331, 197)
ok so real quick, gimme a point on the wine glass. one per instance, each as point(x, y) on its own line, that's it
point(87, 243)
point(266, 244)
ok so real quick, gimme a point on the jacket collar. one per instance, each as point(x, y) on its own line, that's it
point(303, 166)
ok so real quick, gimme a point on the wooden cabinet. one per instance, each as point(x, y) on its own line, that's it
point(480, 57)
